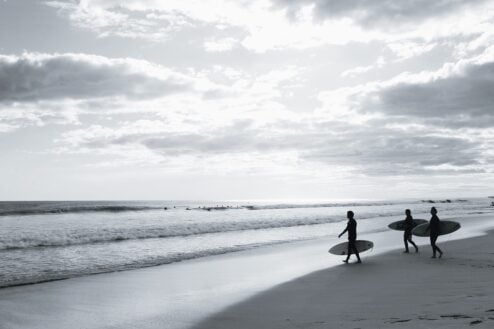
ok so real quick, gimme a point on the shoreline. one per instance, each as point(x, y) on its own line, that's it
point(181, 295)
point(388, 290)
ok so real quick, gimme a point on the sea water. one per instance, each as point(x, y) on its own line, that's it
point(43, 241)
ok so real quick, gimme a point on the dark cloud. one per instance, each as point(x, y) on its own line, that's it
point(378, 12)
point(460, 100)
point(378, 150)
point(34, 77)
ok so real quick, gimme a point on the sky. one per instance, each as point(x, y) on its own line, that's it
point(243, 100)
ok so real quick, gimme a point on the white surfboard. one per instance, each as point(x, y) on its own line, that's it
point(342, 248)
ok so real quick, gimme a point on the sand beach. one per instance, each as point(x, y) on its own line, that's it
point(387, 291)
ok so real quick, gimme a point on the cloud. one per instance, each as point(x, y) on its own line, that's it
point(428, 122)
point(378, 12)
point(264, 25)
point(458, 93)
point(254, 25)
point(19, 116)
point(220, 45)
point(363, 69)
point(120, 21)
point(407, 28)
point(370, 149)
point(469, 93)
point(377, 150)
point(33, 76)
point(408, 48)
point(160, 136)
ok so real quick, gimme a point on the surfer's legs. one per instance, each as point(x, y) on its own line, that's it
point(358, 256)
point(355, 251)
point(352, 248)
point(414, 245)
point(440, 251)
point(349, 251)
point(405, 240)
point(409, 239)
point(434, 247)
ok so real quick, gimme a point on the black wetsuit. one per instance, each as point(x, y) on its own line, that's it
point(351, 228)
point(407, 236)
point(434, 229)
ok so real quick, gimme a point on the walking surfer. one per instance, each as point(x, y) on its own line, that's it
point(407, 236)
point(434, 229)
point(351, 228)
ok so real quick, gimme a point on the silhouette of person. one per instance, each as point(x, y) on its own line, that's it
point(434, 229)
point(407, 235)
point(351, 228)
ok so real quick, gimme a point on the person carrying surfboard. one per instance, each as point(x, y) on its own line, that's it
point(434, 229)
point(351, 228)
point(407, 235)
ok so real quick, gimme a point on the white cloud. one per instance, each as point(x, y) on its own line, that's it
point(220, 45)
point(266, 26)
point(121, 22)
point(19, 115)
point(363, 69)
point(410, 28)
point(408, 48)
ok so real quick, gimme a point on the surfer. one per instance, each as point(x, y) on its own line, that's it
point(407, 236)
point(434, 229)
point(351, 228)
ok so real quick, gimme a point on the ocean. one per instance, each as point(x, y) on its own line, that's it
point(44, 241)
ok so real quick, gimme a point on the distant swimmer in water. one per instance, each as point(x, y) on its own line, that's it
point(434, 229)
point(351, 228)
point(407, 236)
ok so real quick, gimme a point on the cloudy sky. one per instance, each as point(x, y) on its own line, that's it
point(246, 99)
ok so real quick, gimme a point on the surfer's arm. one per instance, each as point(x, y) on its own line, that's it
point(344, 231)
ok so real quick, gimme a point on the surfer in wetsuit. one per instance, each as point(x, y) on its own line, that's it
point(407, 236)
point(351, 228)
point(434, 229)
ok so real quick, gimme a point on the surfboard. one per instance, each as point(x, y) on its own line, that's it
point(342, 248)
point(400, 225)
point(445, 227)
